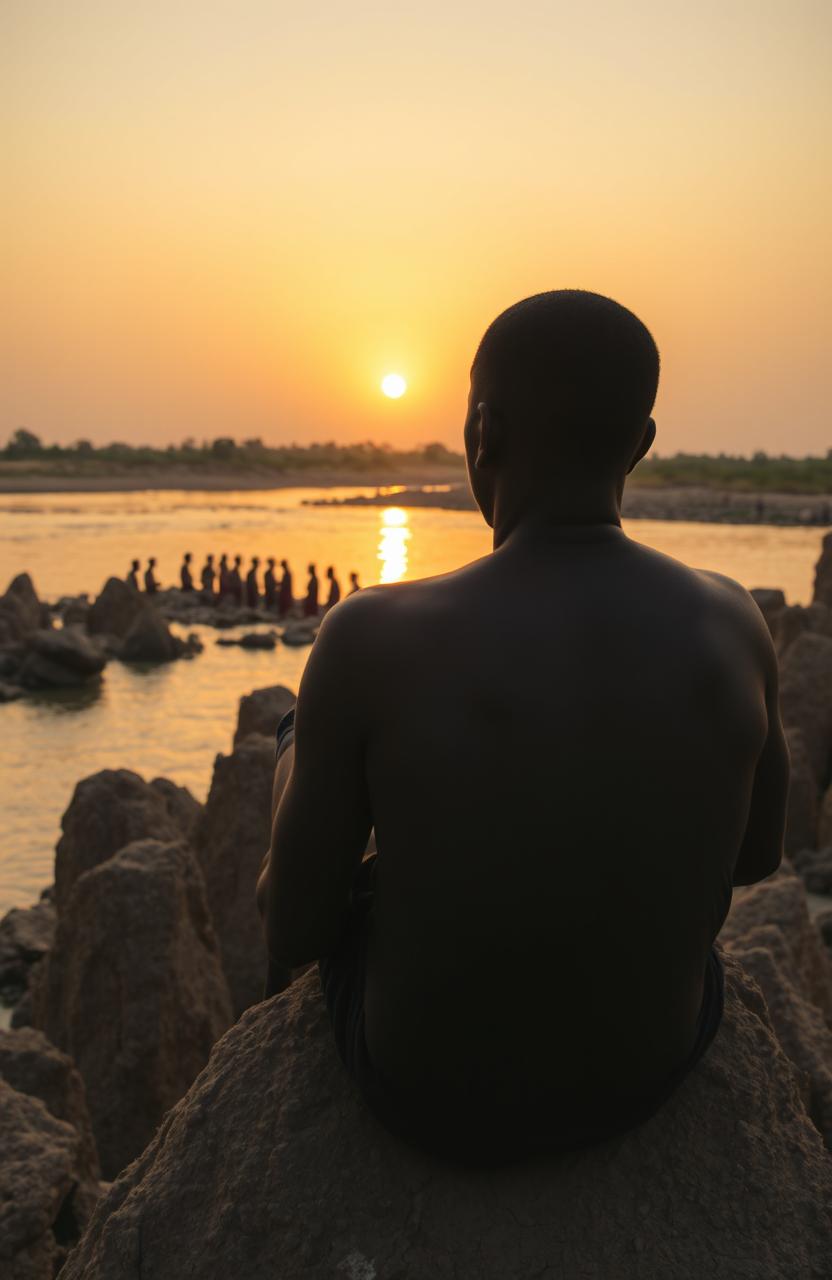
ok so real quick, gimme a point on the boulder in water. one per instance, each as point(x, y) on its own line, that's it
point(298, 634)
point(133, 990)
point(232, 839)
point(149, 639)
point(60, 659)
point(262, 710)
point(21, 612)
point(271, 1165)
point(115, 610)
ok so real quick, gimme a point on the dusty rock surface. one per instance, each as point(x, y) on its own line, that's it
point(262, 710)
point(21, 612)
point(149, 639)
point(109, 810)
point(802, 810)
point(822, 591)
point(272, 1166)
point(232, 838)
point(134, 991)
point(114, 611)
point(26, 934)
point(806, 697)
point(60, 659)
point(38, 1175)
point(814, 866)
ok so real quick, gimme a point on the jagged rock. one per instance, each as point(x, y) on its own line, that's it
point(770, 601)
point(60, 659)
point(75, 611)
point(770, 931)
point(814, 866)
point(109, 810)
point(149, 639)
point(182, 808)
point(823, 573)
point(26, 934)
point(262, 710)
point(39, 1172)
point(21, 612)
point(134, 991)
point(232, 838)
point(271, 1165)
point(802, 805)
point(806, 698)
point(30, 1064)
point(824, 826)
point(115, 610)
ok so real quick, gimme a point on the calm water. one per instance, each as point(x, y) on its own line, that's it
point(174, 719)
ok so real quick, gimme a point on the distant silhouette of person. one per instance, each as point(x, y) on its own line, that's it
point(235, 580)
point(185, 575)
point(531, 970)
point(133, 575)
point(151, 586)
point(334, 588)
point(206, 578)
point(252, 589)
point(310, 604)
point(269, 584)
point(286, 597)
point(354, 584)
point(225, 577)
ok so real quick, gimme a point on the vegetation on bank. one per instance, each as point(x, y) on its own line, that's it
point(761, 473)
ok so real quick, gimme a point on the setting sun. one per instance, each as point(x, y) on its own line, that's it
point(393, 385)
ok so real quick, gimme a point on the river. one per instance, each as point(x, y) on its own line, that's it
point(173, 720)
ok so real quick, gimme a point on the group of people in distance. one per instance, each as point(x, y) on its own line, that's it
point(225, 582)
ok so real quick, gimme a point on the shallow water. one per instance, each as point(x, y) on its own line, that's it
point(173, 720)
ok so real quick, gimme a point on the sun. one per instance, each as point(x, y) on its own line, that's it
point(393, 385)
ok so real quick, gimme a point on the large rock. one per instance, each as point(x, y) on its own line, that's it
point(232, 838)
point(21, 612)
point(26, 934)
point(770, 931)
point(262, 710)
point(806, 698)
point(149, 639)
point(39, 1172)
point(134, 991)
point(60, 659)
point(114, 611)
point(803, 801)
point(814, 866)
point(272, 1166)
point(770, 601)
point(824, 827)
point(823, 573)
point(111, 809)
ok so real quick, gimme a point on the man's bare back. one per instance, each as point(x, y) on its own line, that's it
point(569, 751)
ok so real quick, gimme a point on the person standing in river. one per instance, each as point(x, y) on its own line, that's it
point(286, 598)
point(185, 576)
point(269, 585)
point(522, 969)
point(151, 586)
point(354, 584)
point(252, 589)
point(334, 588)
point(133, 575)
point(206, 579)
point(310, 604)
point(235, 581)
point(224, 578)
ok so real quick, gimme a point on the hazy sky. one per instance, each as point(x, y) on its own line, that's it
point(235, 216)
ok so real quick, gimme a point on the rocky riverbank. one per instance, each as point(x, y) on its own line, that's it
point(239, 1148)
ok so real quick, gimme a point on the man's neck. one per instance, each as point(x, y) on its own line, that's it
point(557, 513)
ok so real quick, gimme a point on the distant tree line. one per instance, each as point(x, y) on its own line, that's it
point(227, 454)
point(760, 473)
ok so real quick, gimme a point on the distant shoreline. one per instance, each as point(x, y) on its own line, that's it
point(191, 479)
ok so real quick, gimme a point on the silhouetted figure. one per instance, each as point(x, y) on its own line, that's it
point(252, 589)
point(151, 586)
point(334, 588)
point(185, 575)
point(133, 575)
point(354, 584)
point(206, 579)
point(286, 598)
point(225, 577)
point(561, 805)
point(269, 584)
point(235, 581)
point(310, 604)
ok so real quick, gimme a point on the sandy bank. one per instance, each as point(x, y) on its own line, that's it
point(18, 480)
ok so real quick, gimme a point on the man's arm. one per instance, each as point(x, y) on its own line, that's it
point(761, 851)
point(323, 820)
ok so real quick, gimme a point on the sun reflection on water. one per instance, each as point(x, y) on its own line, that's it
point(394, 536)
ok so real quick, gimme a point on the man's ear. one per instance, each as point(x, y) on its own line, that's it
point(644, 445)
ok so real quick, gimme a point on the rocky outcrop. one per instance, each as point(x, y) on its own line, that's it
point(770, 931)
point(26, 934)
point(150, 640)
point(298, 634)
point(814, 866)
point(232, 838)
point(262, 710)
point(822, 590)
point(806, 698)
point(802, 806)
point(114, 611)
point(771, 601)
point(21, 612)
point(39, 1174)
point(60, 659)
point(134, 991)
point(111, 809)
point(271, 1165)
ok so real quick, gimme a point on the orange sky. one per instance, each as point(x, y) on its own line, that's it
point(235, 217)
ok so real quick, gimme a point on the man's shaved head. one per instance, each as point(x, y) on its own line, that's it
point(570, 375)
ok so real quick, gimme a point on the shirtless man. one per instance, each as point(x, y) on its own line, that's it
point(562, 797)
